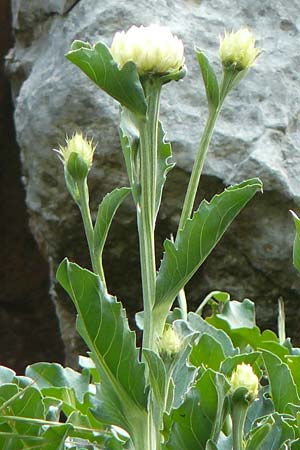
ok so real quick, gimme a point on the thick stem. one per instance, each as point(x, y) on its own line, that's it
point(84, 207)
point(238, 415)
point(146, 206)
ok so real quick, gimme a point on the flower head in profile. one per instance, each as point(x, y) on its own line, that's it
point(80, 145)
point(153, 49)
point(238, 49)
point(243, 376)
point(170, 343)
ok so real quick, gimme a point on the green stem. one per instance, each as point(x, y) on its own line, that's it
point(84, 207)
point(197, 169)
point(238, 415)
point(146, 206)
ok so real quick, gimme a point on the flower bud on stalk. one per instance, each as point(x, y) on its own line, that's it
point(238, 49)
point(244, 377)
point(170, 343)
point(77, 155)
point(153, 49)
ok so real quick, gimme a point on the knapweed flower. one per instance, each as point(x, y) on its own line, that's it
point(80, 145)
point(238, 49)
point(153, 49)
point(243, 376)
point(170, 343)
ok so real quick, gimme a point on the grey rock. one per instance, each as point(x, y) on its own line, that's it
point(256, 135)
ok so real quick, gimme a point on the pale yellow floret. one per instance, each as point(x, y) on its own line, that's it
point(243, 376)
point(170, 343)
point(153, 49)
point(77, 144)
point(238, 49)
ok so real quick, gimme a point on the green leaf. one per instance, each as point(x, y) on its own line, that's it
point(98, 64)
point(229, 364)
point(196, 323)
point(208, 351)
point(196, 240)
point(258, 436)
point(296, 249)
point(293, 361)
point(106, 212)
point(6, 375)
point(62, 383)
point(200, 417)
point(157, 374)
point(210, 81)
point(263, 406)
point(280, 433)
point(283, 388)
point(121, 397)
point(55, 436)
point(129, 138)
point(164, 153)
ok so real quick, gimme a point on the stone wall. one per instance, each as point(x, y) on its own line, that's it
point(257, 135)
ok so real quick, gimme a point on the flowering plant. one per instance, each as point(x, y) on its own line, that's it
point(195, 383)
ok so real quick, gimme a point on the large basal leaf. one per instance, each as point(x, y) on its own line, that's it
point(296, 249)
point(102, 323)
point(197, 239)
point(106, 212)
point(200, 416)
point(283, 388)
point(98, 64)
point(210, 81)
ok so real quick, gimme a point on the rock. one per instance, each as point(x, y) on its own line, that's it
point(256, 135)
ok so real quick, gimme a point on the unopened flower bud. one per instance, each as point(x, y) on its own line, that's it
point(77, 155)
point(170, 343)
point(238, 49)
point(153, 49)
point(243, 376)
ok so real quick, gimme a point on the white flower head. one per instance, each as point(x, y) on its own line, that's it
point(238, 49)
point(153, 49)
point(243, 376)
point(80, 145)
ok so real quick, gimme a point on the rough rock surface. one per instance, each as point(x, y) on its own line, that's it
point(257, 135)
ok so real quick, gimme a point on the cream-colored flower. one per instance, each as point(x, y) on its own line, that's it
point(238, 49)
point(170, 343)
point(153, 49)
point(77, 144)
point(243, 376)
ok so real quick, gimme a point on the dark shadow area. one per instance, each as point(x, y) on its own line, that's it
point(28, 325)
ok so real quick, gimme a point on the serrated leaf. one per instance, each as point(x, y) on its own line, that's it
point(200, 416)
point(283, 388)
point(121, 396)
point(98, 64)
point(164, 153)
point(210, 81)
point(296, 248)
point(208, 351)
point(106, 212)
point(196, 240)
